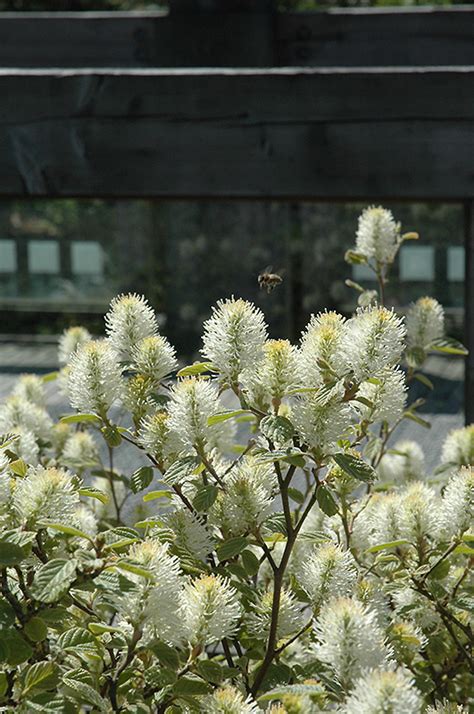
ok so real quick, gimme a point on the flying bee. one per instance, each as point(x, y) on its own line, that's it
point(269, 280)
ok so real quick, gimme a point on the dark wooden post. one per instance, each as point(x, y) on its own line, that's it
point(469, 312)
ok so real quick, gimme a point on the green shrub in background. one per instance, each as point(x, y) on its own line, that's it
point(293, 558)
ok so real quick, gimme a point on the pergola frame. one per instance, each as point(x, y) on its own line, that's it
point(229, 99)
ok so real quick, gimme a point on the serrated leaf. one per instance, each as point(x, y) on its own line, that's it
point(38, 676)
point(67, 530)
point(194, 369)
point(230, 548)
point(135, 569)
point(326, 501)
point(36, 629)
point(450, 346)
point(278, 429)
point(191, 686)
point(205, 497)
point(417, 419)
point(154, 495)
point(111, 435)
point(83, 692)
point(296, 495)
point(19, 650)
point(19, 467)
point(141, 478)
point(387, 546)
point(250, 562)
point(225, 416)
point(415, 356)
point(80, 419)
point(424, 380)
point(10, 554)
point(365, 402)
point(211, 671)
point(180, 470)
point(53, 579)
point(355, 467)
point(76, 640)
point(94, 493)
point(167, 656)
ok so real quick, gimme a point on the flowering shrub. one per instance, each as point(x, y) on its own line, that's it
point(294, 557)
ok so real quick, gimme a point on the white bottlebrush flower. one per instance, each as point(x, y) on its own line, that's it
point(321, 425)
point(30, 387)
point(26, 446)
point(350, 640)
point(320, 342)
point(94, 380)
point(250, 490)
point(234, 337)
point(155, 435)
point(80, 450)
point(45, 495)
point(384, 691)
point(328, 572)
point(193, 401)
point(458, 448)
point(228, 700)
point(129, 320)
point(373, 339)
point(290, 617)
point(420, 513)
point(154, 357)
point(378, 234)
point(60, 433)
point(190, 534)
point(447, 708)
point(408, 464)
point(278, 371)
point(211, 608)
point(70, 341)
point(425, 323)
point(457, 504)
point(18, 414)
point(412, 606)
point(388, 397)
point(85, 520)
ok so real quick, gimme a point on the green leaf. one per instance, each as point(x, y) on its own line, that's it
point(180, 470)
point(135, 569)
point(111, 435)
point(417, 419)
point(80, 419)
point(210, 670)
point(3, 681)
point(250, 562)
point(277, 429)
point(424, 380)
point(326, 501)
point(19, 649)
point(224, 416)
point(205, 497)
point(191, 686)
point(10, 554)
point(7, 614)
point(141, 478)
point(50, 377)
point(291, 456)
point(449, 346)
point(196, 368)
point(355, 286)
point(352, 257)
point(53, 579)
point(40, 675)
point(167, 656)
point(98, 628)
point(230, 548)
point(154, 495)
point(387, 546)
point(355, 467)
point(36, 629)
point(67, 530)
point(78, 640)
point(296, 495)
point(94, 493)
point(82, 691)
point(293, 689)
point(415, 356)
point(365, 402)
point(19, 467)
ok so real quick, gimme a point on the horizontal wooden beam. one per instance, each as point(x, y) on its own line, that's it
point(422, 36)
point(348, 134)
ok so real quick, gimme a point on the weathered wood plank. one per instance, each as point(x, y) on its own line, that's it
point(354, 38)
point(279, 133)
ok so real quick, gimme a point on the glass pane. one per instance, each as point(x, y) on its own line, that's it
point(43, 257)
point(456, 264)
point(87, 258)
point(7, 256)
point(417, 263)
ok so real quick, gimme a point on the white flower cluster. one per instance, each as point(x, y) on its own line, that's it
point(129, 320)
point(378, 234)
point(425, 323)
point(94, 380)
